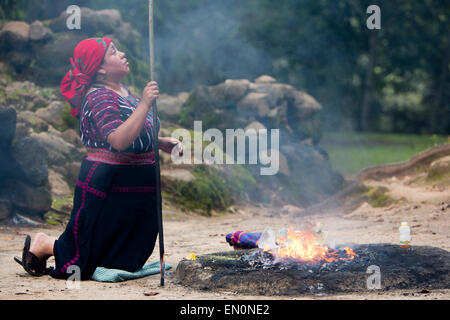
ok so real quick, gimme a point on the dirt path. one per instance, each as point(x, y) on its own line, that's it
point(426, 210)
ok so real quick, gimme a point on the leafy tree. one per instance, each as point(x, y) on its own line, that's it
point(11, 10)
point(393, 79)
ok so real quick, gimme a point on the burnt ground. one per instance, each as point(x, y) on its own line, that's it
point(257, 272)
point(425, 207)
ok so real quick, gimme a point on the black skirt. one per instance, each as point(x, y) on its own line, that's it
point(113, 223)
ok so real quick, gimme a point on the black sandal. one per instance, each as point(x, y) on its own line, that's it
point(32, 264)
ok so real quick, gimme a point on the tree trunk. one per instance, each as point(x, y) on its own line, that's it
point(368, 83)
point(439, 121)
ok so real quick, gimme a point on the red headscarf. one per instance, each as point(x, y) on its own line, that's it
point(87, 58)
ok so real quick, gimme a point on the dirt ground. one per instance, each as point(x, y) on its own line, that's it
point(425, 208)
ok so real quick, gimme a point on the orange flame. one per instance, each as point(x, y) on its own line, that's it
point(305, 246)
point(349, 251)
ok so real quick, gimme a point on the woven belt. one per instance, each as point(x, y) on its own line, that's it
point(110, 157)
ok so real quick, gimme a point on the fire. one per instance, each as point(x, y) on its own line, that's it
point(305, 246)
point(349, 251)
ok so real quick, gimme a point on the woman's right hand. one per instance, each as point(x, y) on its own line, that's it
point(150, 93)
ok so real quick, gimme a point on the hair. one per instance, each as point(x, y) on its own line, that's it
point(99, 78)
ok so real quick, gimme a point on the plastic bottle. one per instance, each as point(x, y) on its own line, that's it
point(267, 240)
point(405, 235)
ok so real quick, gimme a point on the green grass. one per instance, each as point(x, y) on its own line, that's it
point(351, 152)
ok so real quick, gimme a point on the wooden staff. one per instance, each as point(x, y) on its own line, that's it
point(156, 146)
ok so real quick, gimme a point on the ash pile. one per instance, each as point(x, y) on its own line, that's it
point(373, 267)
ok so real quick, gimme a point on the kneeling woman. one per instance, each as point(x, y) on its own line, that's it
point(113, 223)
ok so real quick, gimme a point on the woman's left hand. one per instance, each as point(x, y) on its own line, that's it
point(167, 144)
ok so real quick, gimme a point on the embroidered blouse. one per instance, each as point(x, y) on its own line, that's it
point(103, 111)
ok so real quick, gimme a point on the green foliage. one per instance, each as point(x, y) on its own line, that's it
point(11, 10)
point(378, 197)
point(438, 173)
point(396, 79)
point(351, 152)
point(212, 189)
point(69, 122)
point(47, 93)
point(325, 48)
point(240, 181)
point(207, 192)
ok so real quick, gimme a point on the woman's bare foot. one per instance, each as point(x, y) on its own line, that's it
point(42, 245)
